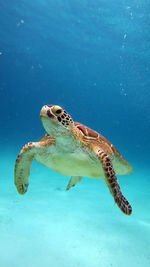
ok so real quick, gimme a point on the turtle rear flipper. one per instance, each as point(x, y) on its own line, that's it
point(73, 181)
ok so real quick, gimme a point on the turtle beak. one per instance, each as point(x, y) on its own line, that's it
point(46, 112)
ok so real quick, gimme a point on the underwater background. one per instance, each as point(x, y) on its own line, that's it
point(93, 59)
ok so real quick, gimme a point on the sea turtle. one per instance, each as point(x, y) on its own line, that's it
point(75, 150)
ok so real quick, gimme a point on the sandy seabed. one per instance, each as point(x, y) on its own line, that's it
point(49, 227)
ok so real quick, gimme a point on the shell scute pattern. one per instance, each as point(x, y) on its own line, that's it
point(86, 131)
point(105, 144)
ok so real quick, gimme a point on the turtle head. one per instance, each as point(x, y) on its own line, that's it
point(55, 119)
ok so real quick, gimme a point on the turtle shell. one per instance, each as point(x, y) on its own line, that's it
point(121, 166)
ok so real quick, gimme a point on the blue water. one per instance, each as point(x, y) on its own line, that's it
point(92, 58)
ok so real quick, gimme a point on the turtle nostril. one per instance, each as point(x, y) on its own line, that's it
point(49, 114)
point(49, 106)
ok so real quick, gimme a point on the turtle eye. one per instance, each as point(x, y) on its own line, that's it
point(58, 111)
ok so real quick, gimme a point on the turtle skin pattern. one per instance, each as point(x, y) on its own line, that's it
point(113, 184)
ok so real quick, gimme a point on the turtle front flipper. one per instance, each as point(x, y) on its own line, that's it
point(24, 161)
point(112, 182)
point(73, 181)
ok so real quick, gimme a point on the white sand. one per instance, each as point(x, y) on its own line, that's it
point(49, 227)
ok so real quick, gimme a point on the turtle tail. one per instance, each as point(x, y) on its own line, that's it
point(113, 185)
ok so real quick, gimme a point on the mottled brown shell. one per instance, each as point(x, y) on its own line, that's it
point(105, 145)
point(93, 134)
